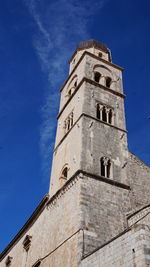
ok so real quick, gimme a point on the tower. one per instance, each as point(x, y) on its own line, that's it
point(99, 191)
point(91, 144)
point(91, 132)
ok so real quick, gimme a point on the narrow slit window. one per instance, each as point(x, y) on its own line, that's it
point(68, 124)
point(75, 84)
point(71, 119)
point(69, 92)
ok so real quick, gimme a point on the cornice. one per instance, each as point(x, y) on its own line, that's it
point(91, 117)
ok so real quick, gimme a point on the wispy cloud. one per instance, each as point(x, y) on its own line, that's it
point(61, 25)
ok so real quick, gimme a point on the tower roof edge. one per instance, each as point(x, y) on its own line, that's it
point(93, 43)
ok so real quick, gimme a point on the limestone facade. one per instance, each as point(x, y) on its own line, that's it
point(97, 212)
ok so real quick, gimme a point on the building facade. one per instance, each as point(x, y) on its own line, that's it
point(97, 212)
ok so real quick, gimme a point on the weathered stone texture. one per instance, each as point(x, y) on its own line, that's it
point(89, 208)
point(132, 249)
point(58, 222)
point(139, 179)
point(103, 209)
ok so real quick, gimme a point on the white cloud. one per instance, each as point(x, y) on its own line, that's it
point(61, 25)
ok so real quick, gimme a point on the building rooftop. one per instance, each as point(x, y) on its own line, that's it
point(93, 43)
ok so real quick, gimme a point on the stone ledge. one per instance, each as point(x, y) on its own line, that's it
point(86, 115)
point(84, 79)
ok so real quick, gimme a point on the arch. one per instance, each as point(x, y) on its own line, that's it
point(110, 115)
point(101, 67)
point(105, 167)
point(100, 54)
point(97, 76)
point(68, 123)
point(98, 112)
point(108, 82)
point(102, 167)
point(104, 114)
point(72, 85)
point(64, 174)
point(108, 168)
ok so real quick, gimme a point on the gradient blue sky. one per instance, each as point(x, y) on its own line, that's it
point(37, 40)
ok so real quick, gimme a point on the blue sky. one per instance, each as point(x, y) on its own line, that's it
point(37, 40)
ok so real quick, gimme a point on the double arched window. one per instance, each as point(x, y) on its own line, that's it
point(106, 167)
point(68, 123)
point(104, 113)
point(103, 75)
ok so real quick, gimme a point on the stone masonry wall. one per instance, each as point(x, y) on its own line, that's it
point(132, 249)
point(54, 230)
point(99, 140)
point(139, 180)
point(103, 208)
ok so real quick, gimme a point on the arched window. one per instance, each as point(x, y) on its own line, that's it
point(102, 167)
point(100, 54)
point(68, 123)
point(98, 114)
point(108, 168)
point(69, 93)
point(105, 165)
point(97, 77)
point(64, 175)
point(110, 114)
point(72, 86)
point(104, 114)
point(8, 261)
point(108, 82)
point(75, 84)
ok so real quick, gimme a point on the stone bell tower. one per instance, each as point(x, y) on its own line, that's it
point(91, 132)
point(97, 213)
